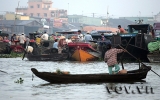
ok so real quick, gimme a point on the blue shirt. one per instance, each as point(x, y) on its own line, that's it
point(55, 45)
point(88, 38)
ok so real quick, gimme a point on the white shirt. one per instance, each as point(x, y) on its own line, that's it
point(68, 40)
point(80, 36)
point(22, 39)
point(44, 36)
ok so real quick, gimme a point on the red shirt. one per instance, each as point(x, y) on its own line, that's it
point(111, 56)
point(122, 30)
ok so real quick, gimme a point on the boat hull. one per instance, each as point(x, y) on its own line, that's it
point(83, 56)
point(47, 57)
point(81, 51)
point(133, 75)
point(154, 58)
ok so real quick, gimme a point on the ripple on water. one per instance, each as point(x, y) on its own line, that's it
point(41, 90)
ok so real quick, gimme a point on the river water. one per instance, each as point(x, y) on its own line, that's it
point(38, 89)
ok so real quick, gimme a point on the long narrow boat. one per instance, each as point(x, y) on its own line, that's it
point(44, 54)
point(45, 51)
point(133, 75)
point(47, 57)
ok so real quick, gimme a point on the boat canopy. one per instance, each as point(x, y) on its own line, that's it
point(156, 26)
point(142, 28)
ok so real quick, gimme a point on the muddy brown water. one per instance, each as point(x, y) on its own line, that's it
point(42, 90)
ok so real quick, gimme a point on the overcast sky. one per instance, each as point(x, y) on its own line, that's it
point(116, 8)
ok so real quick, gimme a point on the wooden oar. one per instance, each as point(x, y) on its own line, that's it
point(25, 51)
point(3, 71)
point(123, 53)
point(138, 59)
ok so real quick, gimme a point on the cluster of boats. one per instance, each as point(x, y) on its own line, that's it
point(135, 42)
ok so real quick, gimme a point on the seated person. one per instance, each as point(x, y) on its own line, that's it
point(6, 39)
point(121, 30)
point(38, 40)
point(74, 38)
point(61, 44)
point(103, 43)
point(102, 37)
point(68, 40)
point(55, 44)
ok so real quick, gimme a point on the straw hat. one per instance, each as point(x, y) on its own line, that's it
point(88, 32)
point(62, 37)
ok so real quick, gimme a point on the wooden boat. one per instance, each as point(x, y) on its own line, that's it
point(156, 28)
point(138, 36)
point(81, 51)
point(154, 57)
point(133, 75)
point(47, 57)
point(45, 52)
point(4, 45)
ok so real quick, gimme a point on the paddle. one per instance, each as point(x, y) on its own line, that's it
point(123, 53)
point(3, 71)
point(25, 51)
point(137, 59)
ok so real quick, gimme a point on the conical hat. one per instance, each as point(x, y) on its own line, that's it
point(62, 37)
point(88, 32)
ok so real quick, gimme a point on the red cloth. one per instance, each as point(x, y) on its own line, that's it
point(5, 40)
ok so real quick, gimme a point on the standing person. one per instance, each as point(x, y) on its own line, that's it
point(13, 38)
point(44, 36)
point(111, 59)
point(61, 44)
point(80, 35)
point(22, 40)
point(27, 41)
point(88, 37)
point(121, 30)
